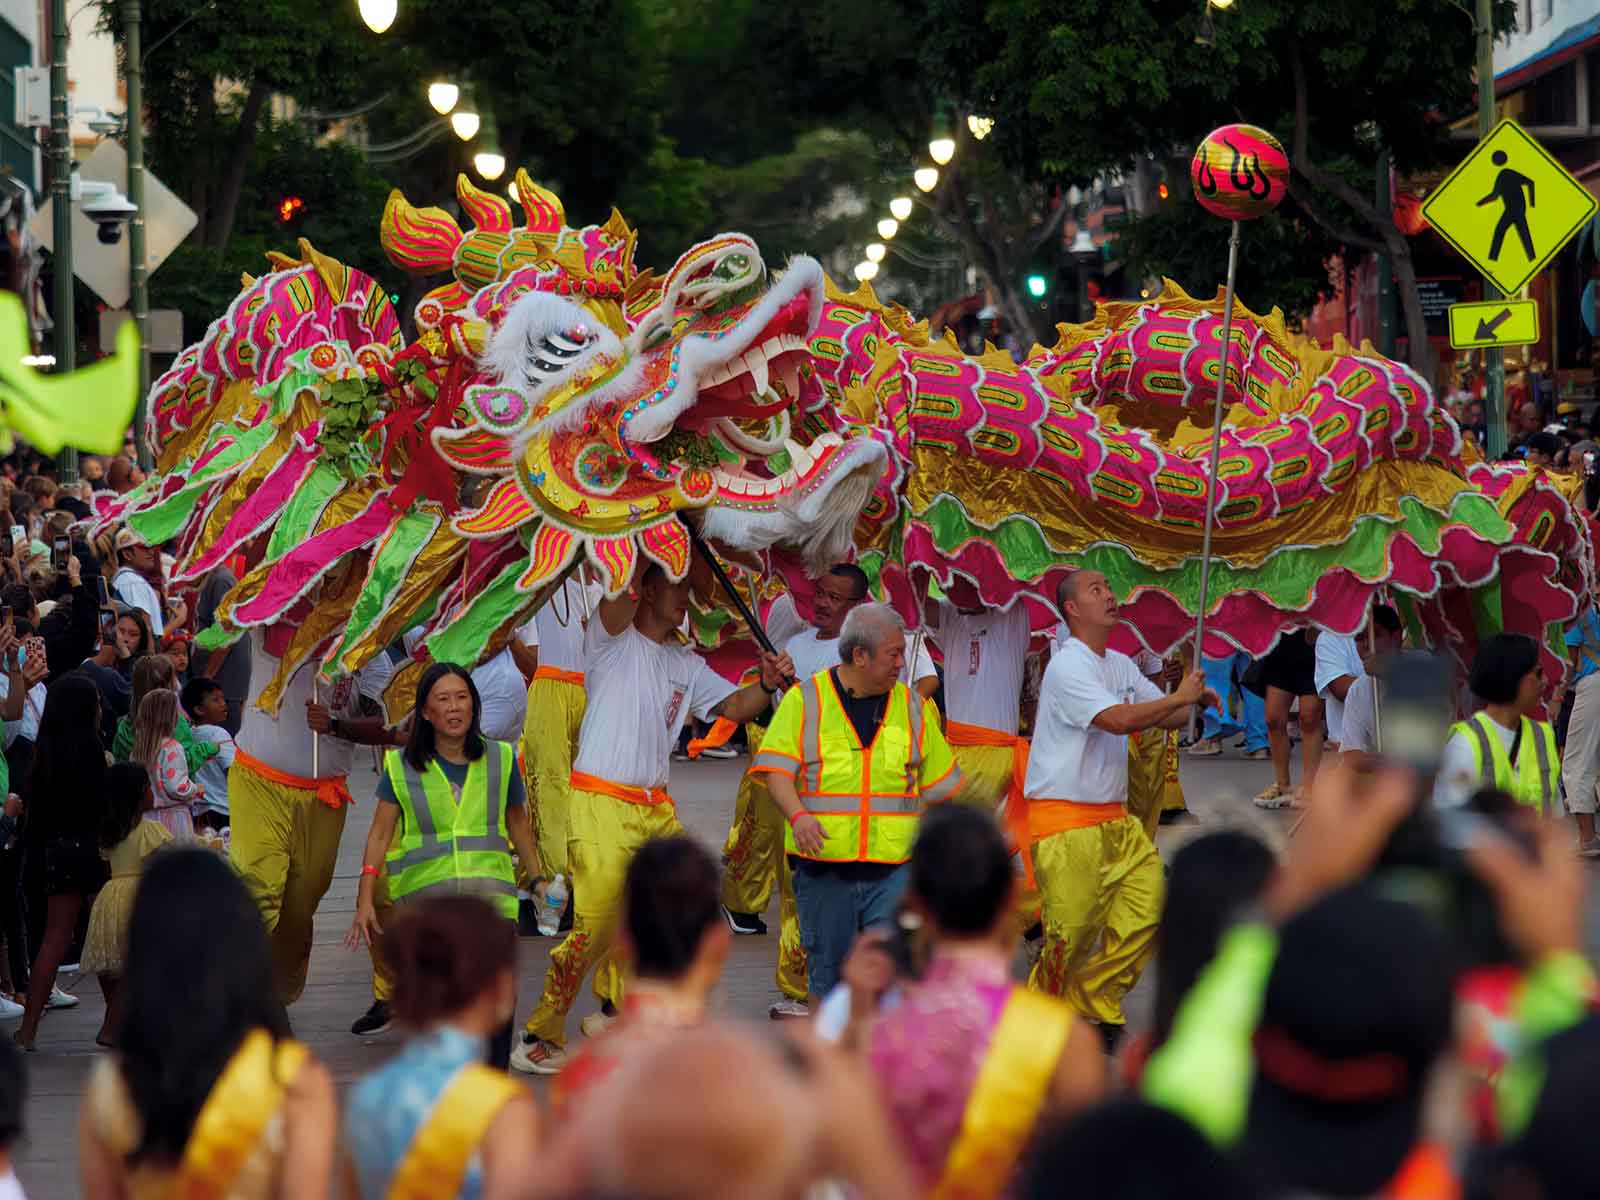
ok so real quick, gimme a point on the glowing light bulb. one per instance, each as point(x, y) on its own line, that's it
point(926, 178)
point(490, 164)
point(378, 14)
point(888, 227)
point(465, 124)
point(900, 206)
point(866, 271)
point(876, 251)
point(443, 96)
point(980, 127)
point(942, 150)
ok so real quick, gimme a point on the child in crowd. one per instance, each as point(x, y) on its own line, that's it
point(127, 837)
point(157, 750)
point(176, 647)
point(208, 709)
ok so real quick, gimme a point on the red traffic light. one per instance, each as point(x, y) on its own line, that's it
point(1163, 191)
point(290, 207)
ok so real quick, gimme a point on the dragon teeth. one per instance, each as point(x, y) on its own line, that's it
point(757, 366)
point(799, 456)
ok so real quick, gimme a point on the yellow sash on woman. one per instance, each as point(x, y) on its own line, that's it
point(246, 1096)
point(436, 1161)
point(1007, 1097)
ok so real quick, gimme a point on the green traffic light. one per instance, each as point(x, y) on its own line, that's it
point(1037, 286)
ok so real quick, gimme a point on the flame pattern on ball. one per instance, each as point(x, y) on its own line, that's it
point(1240, 172)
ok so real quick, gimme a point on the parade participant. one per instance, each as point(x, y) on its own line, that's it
point(1289, 672)
point(1359, 719)
point(434, 1120)
point(1098, 871)
point(752, 855)
point(502, 684)
point(1501, 746)
point(207, 1095)
point(1580, 753)
point(817, 649)
point(642, 686)
point(852, 759)
point(1338, 666)
point(449, 805)
point(286, 821)
point(984, 656)
point(968, 1064)
point(556, 702)
point(675, 944)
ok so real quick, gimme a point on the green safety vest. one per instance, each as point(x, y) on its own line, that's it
point(1534, 778)
point(447, 849)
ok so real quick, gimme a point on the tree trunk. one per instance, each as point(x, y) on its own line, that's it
point(1418, 352)
point(205, 101)
point(227, 206)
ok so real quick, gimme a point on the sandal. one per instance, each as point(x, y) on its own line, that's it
point(1260, 755)
point(1276, 796)
point(1205, 748)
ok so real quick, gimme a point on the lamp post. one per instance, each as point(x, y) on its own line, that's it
point(1494, 361)
point(138, 270)
point(61, 213)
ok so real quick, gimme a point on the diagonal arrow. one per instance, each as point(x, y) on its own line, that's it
point(1486, 329)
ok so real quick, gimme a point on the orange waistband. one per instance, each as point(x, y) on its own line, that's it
point(333, 792)
point(572, 677)
point(958, 733)
point(649, 797)
point(1048, 817)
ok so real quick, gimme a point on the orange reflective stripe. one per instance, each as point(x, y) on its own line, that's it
point(958, 733)
point(332, 791)
point(620, 791)
point(1048, 817)
point(556, 673)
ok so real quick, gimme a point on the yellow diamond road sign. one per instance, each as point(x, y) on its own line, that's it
point(1494, 323)
point(1509, 207)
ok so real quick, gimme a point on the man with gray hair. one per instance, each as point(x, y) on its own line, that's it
point(851, 758)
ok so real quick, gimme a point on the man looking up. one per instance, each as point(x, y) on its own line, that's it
point(642, 685)
point(817, 649)
point(1099, 875)
point(852, 758)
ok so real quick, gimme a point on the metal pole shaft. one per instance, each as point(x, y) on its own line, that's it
point(1494, 361)
point(1216, 452)
point(66, 334)
point(138, 273)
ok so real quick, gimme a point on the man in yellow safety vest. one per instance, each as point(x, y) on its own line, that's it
point(1501, 746)
point(852, 757)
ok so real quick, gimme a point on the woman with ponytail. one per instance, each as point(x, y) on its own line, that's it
point(434, 1120)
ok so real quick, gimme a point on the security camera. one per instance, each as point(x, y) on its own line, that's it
point(108, 208)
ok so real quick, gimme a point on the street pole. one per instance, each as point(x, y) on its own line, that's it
point(1494, 361)
point(61, 210)
point(139, 275)
point(1384, 195)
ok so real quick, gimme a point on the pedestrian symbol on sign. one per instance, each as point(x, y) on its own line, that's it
point(1508, 189)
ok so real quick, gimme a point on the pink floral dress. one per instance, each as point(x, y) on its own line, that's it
point(174, 792)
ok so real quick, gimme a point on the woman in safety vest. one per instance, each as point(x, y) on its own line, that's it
point(447, 803)
point(1502, 746)
point(433, 1120)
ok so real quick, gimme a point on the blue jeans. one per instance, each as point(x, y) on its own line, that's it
point(834, 908)
point(1221, 674)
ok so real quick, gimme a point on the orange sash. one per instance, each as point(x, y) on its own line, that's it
point(332, 791)
point(1049, 817)
point(958, 733)
point(1014, 811)
point(573, 677)
point(649, 797)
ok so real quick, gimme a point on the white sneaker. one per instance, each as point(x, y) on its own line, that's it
point(535, 1056)
point(788, 1010)
point(720, 752)
point(595, 1024)
point(10, 1010)
point(60, 999)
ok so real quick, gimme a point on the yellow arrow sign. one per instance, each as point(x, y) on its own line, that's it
point(1509, 207)
point(1494, 323)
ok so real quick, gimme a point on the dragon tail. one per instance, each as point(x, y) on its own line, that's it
point(422, 241)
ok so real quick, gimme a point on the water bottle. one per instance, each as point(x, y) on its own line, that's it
point(552, 906)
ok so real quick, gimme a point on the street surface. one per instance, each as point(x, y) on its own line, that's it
point(338, 991)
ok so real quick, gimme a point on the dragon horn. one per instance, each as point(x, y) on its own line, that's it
point(545, 212)
point(487, 210)
point(420, 240)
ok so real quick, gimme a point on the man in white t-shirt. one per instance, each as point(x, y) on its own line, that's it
point(985, 653)
point(1338, 666)
point(1358, 721)
point(1098, 873)
point(642, 684)
point(502, 684)
point(287, 818)
point(131, 583)
point(817, 649)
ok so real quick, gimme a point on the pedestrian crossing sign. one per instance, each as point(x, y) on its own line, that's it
point(1509, 207)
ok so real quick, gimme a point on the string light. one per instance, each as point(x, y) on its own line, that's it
point(888, 227)
point(378, 14)
point(926, 178)
point(900, 208)
point(866, 271)
point(980, 127)
point(876, 251)
point(443, 96)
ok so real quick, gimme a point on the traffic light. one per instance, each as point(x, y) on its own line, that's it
point(1037, 285)
point(291, 207)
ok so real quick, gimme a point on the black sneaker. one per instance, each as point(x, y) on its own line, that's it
point(745, 923)
point(374, 1021)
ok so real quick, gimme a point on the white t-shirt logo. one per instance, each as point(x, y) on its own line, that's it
point(673, 706)
point(974, 656)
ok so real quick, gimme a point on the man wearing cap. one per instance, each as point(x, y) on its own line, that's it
point(1099, 875)
point(132, 582)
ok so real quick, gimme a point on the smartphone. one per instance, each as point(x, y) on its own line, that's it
point(60, 549)
point(8, 547)
point(104, 589)
point(18, 535)
point(108, 622)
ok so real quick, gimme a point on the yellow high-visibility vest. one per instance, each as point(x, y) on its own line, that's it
point(1534, 779)
point(867, 798)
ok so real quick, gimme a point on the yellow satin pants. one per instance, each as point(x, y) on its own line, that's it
point(1102, 889)
point(549, 742)
point(1153, 786)
point(603, 834)
point(284, 843)
point(753, 863)
point(985, 775)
